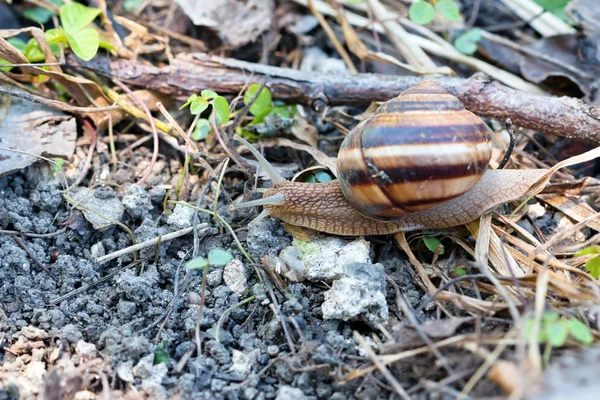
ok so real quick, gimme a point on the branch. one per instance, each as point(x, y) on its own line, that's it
point(564, 116)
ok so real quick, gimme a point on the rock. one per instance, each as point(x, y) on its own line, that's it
point(124, 371)
point(242, 363)
point(102, 206)
point(97, 250)
point(324, 258)
point(536, 210)
point(286, 392)
point(137, 201)
point(234, 276)
point(358, 296)
point(85, 349)
point(214, 278)
point(181, 217)
point(33, 333)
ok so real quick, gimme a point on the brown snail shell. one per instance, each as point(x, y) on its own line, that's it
point(418, 150)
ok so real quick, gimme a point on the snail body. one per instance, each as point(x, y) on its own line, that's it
point(420, 162)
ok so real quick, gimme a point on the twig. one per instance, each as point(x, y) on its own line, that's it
point(22, 245)
point(331, 35)
point(91, 285)
point(55, 104)
point(143, 106)
point(148, 243)
point(563, 116)
point(381, 366)
point(90, 154)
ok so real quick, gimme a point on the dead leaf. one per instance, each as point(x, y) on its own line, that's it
point(237, 21)
point(50, 133)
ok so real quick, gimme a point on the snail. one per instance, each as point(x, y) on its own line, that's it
point(420, 162)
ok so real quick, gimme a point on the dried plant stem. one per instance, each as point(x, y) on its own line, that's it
point(331, 35)
point(143, 106)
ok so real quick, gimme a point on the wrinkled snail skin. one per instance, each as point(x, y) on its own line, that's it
point(420, 162)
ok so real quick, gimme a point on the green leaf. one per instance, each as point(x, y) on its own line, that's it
point(557, 332)
point(32, 52)
point(218, 257)
point(309, 178)
point(57, 165)
point(132, 5)
point(556, 7)
point(209, 94)
point(18, 43)
point(201, 129)
point(74, 16)
point(83, 43)
point(262, 102)
point(40, 15)
point(433, 244)
point(580, 331)
point(593, 267)
point(284, 111)
point(189, 101)
point(588, 250)
point(199, 105)
point(322, 176)
point(448, 9)
point(460, 271)
point(54, 36)
point(161, 355)
point(421, 12)
point(221, 107)
point(106, 45)
point(196, 263)
point(467, 42)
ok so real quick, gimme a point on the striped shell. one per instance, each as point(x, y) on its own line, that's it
point(418, 150)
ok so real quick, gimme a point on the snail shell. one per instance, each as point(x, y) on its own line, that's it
point(417, 151)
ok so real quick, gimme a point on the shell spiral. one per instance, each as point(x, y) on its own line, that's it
point(418, 150)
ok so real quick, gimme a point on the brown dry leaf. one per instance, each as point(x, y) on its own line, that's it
point(304, 130)
point(50, 133)
point(237, 21)
point(566, 63)
point(80, 89)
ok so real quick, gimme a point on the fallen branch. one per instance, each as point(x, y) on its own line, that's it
point(564, 116)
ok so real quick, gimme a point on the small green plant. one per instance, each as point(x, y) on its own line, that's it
point(199, 104)
point(216, 257)
point(318, 177)
point(593, 264)
point(262, 107)
point(41, 15)
point(161, 355)
point(422, 12)
point(555, 330)
point(433, 244)
point(57, 165)
point(467, 42)
point(132, 5)
point(73, 32)
point(556, 7)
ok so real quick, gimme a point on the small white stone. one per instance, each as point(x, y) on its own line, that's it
point(234, 276)
point(242, 363)
point(289, 393)
point(181, 217)
point(84, 348)
point(324, 258)
point(536, 210)
point(214, 278)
